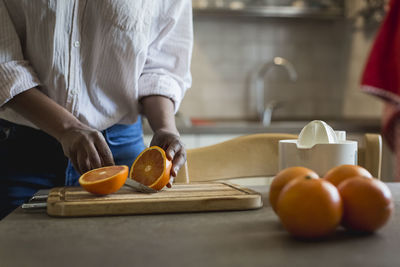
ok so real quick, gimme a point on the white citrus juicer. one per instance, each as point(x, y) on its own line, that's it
point(318, 147)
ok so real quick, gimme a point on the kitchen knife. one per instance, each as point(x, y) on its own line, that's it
point(39, 200)
point(139, 187)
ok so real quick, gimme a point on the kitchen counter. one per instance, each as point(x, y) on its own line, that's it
point(239, 238)
point(279, 126)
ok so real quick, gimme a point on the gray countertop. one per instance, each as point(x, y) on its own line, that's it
point(240, 238)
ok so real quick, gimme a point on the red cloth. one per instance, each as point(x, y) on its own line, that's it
point(382, 77)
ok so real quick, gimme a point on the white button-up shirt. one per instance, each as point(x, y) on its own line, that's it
point(96, 58)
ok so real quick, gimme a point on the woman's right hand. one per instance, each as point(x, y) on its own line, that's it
point(86, 148)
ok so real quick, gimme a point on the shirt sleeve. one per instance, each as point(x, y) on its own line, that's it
point(167, 68)
point(16, 75)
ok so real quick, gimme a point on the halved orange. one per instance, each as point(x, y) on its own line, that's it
point(105, 180)
point(152, 168)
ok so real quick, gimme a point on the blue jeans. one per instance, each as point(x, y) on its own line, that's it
point(31, 160)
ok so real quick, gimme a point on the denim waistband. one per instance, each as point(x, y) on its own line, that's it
point(118, 128)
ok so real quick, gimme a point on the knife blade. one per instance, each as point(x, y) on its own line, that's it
point(139, 187)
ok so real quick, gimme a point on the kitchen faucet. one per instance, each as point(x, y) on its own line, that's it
point(264, 110)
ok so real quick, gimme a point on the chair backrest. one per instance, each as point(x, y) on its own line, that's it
point(256, 155)
point(370, 154)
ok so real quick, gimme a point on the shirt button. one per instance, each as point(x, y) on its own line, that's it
point(77, 44)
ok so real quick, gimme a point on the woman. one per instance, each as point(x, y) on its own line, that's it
point(381, 78)
point(75, 77)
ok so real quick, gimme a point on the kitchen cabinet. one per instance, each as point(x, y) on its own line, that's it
point(199, 140)
point(197, 136)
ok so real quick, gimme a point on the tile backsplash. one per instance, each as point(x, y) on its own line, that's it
point(328, 55)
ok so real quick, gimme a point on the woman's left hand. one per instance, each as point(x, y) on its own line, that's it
point(173, 147)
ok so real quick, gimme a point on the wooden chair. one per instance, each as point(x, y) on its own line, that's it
point(370, 154)
point(256, 155)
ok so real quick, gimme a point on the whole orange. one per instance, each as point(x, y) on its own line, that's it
point(310, 207)
point(367, 204)
point(282, 178)
point(340, 173)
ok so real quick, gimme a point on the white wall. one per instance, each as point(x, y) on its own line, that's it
point(329, 56)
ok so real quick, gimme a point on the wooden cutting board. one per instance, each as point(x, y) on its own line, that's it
point(193, 197)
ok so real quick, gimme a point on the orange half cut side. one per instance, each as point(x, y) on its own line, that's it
point(105, 180)
point(152, 168)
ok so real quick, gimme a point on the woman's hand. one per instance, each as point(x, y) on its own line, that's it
point(86, 148)
point(159, 111)
point(173, 147)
